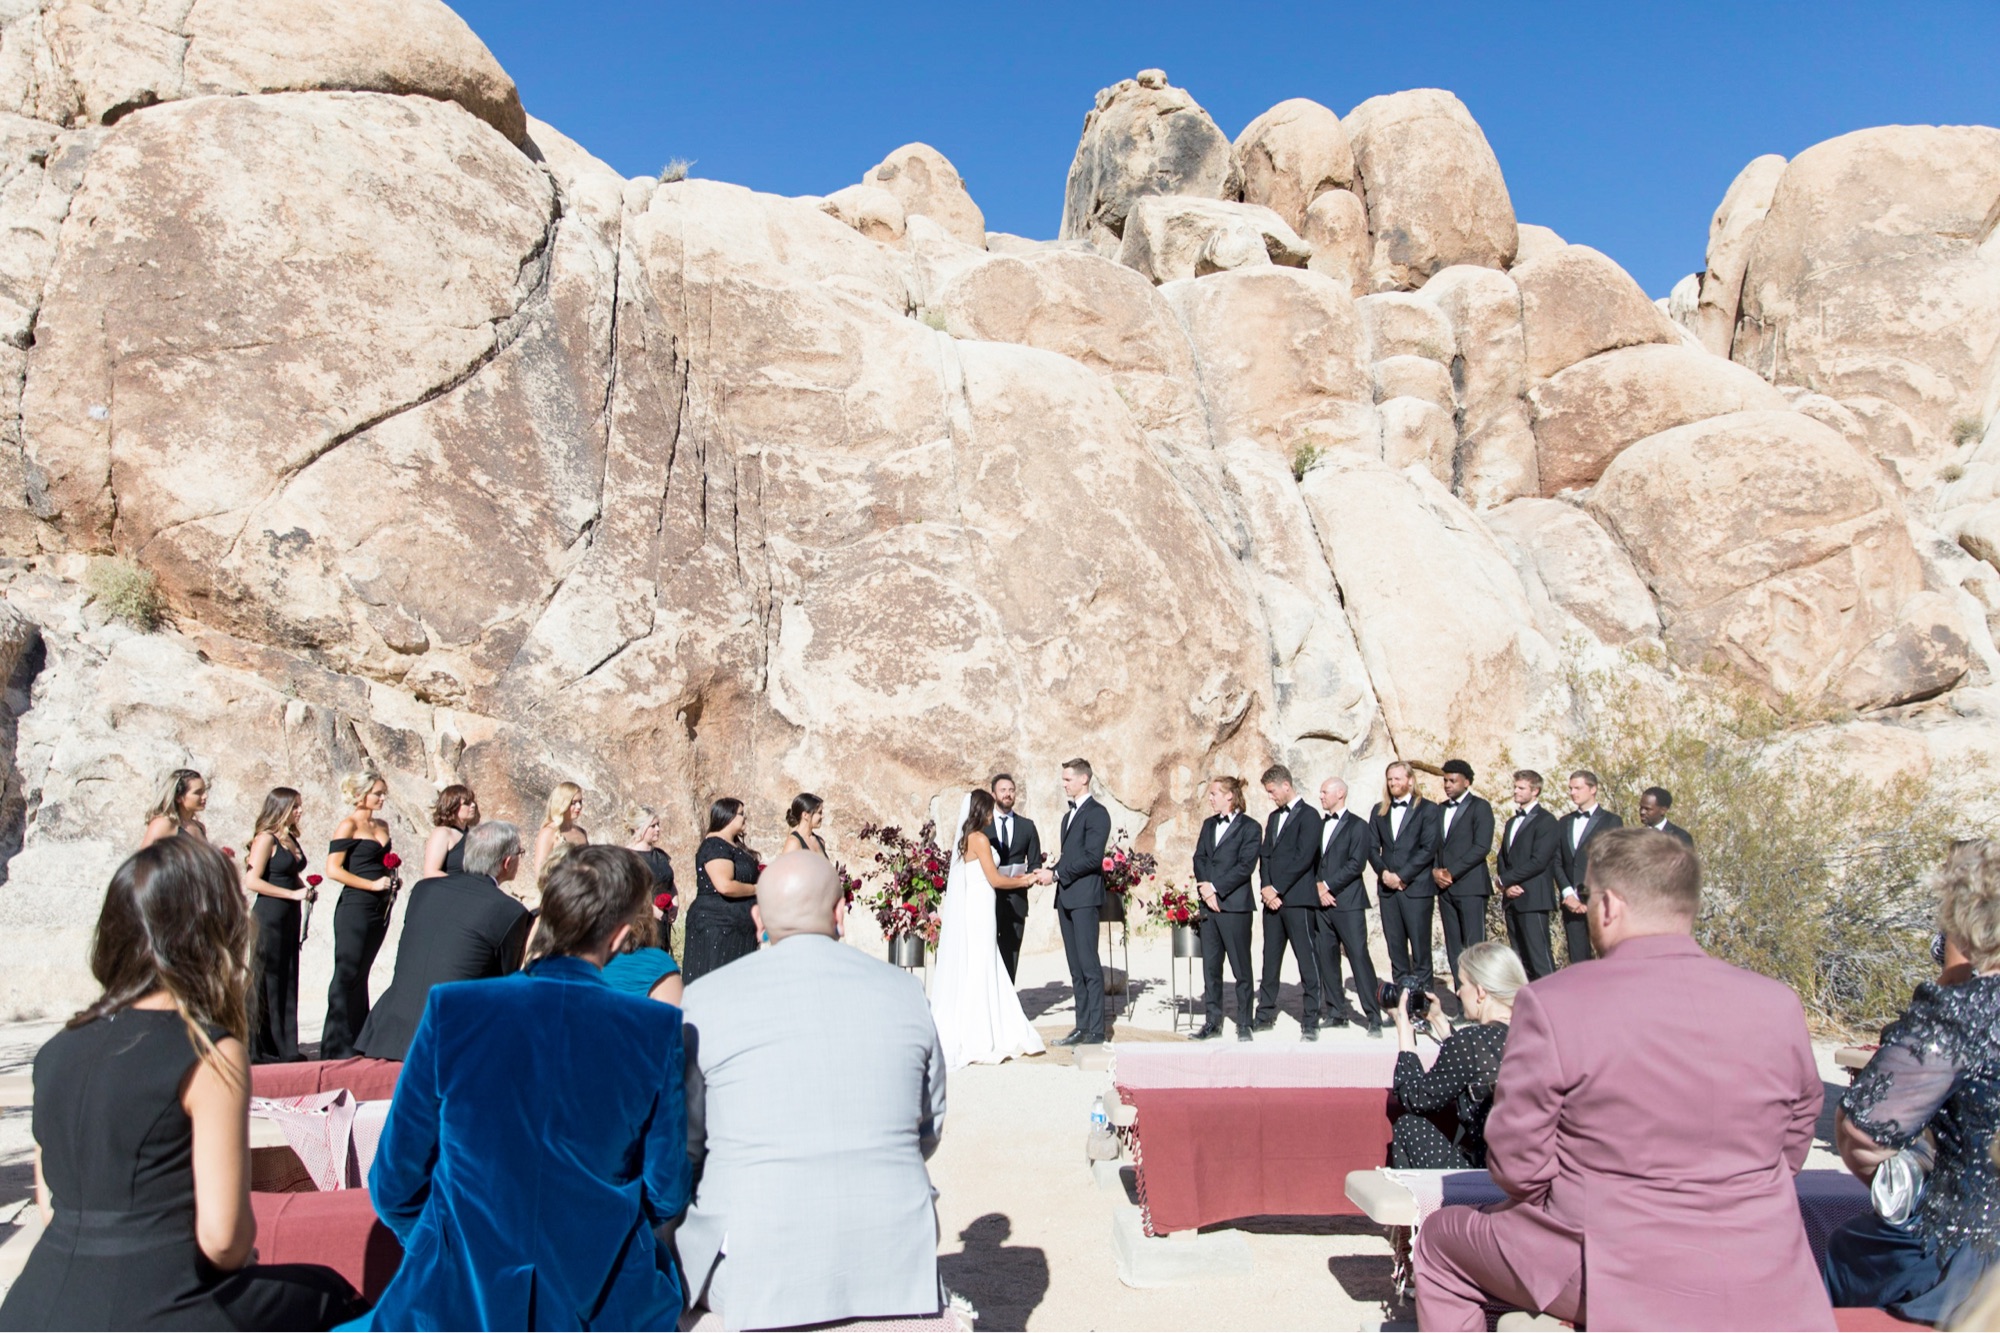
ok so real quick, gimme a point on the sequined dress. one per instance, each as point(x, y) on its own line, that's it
point(1939, 1069)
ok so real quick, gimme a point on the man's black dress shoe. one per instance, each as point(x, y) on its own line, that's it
point(1308, 1034)
point(1375, 1028)
point(1072, 1038)
point(1208, 1034)
point(1243, 1034)
point(1266, 1024)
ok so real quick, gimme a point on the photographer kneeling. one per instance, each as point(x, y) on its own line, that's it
point(1467, 1065)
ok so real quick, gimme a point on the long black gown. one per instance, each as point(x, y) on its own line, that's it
point(274, 1007)
point(360, 923)
point(118, 1155)
point(719, 930)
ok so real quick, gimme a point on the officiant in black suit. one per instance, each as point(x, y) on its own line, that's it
point(1340, 921)
point(1405, 826)
point(1290, 855)
point(1015, 843)
point(1465, 840)
point(1526, 868)
point(1225, 861)
point(1579, 826)
point(1078, 875)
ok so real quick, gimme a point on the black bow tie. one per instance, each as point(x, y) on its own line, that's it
point(1397, 805)
point(1072, 805)
point(1453, 804)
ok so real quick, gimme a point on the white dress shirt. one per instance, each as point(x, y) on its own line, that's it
point(1397, 809)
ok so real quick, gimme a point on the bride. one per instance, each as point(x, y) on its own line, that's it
point(978, 1015)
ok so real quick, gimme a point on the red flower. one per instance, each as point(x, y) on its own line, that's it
point(229, 851)
point(313, 880)
point(665, 902)
point(391, 861)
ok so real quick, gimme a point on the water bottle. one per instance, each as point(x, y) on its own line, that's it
point(1102, 1145)
point(1100, 1120)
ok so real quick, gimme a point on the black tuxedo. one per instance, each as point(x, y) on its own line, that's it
point(1344, 844)
point(1010, 906)
point(1462, 850)
point(1673, 830)
point(1573, 869)
point(457, 928)
point(1225, 932)
point(1529, 860)
point(1288, 864)
point(1406, 912)
point(1079, 872)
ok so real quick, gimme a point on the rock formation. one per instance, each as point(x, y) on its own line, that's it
point(456, 454)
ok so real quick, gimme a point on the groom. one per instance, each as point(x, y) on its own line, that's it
point(1016, 842)
point(1079, 880)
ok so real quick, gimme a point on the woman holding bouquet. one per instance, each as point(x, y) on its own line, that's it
point(271, 874)
point(978, 1014)
point(358, 859)
point(719, 926)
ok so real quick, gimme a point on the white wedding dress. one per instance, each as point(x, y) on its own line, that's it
point(978, 1015)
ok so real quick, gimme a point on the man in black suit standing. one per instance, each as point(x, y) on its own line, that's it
point(459, 927)
point(1405, 828)
point(1579, 826)
point(1526, 866)
point(1017, 849)
point(1225, 860)
point(1290, 853)
point(1340, 922)
point(1079, 879)
point(1654, 802)
point(1465, 840)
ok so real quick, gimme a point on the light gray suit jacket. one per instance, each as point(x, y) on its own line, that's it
point(815, 1093)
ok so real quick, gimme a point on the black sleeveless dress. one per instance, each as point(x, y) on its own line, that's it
point(274, 1003)
point(118, 1155)
point(454, 857)
point(719, 930)
point(360, 923)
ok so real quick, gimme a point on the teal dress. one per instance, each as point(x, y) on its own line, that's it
point(538, 1135)
point(636, 973)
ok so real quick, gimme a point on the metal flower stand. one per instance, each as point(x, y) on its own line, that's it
point(910, 953)
point(1187, 949)
point(1117, 979)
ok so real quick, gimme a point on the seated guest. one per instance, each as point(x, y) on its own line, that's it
point(1652, 1110)
point(815, 1095)
point(141, 1121)
point(1936, 1077)
point(539, 1133)
point(1468, 1064)
point(459, 928)
point(641, 966)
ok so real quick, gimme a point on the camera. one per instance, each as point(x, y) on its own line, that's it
point(1389, 994)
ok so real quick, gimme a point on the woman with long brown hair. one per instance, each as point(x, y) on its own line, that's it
point(973, 1002)
point(142, 1124)
point(271, 874)
point(456, 811)
point(719, 928)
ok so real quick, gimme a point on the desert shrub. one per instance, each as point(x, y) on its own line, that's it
point(1810, 875)
point(126, 590)
point(676, 170)
point(1305, 458)
point(1966, 429)
point(933, 319)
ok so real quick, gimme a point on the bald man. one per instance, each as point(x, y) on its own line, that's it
point(820, 1069)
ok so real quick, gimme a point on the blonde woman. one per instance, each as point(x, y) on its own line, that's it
point(1461, 1080)
point(177, 809)
point(271, 872)
point(357, 861)
point(644, 823)
point(559, 825)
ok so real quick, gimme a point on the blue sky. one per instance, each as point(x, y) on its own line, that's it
point(1618, 124)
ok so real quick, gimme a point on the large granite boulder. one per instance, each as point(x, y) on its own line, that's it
point(1583, 570)
point(1143, 137)
point(1434, 190)
point(1496, 441)
point(924, 181)
point(1291, 155)
point(1772, 546)
point(1575, 303)
point(1730, 233)
point(1171, 237)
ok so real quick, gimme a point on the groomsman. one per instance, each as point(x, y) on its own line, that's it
point(1654, 802)
point(1526, 866)
point(1465, 840)
point(1225, 860)
point(1078, 875)
point(1340, 922)
point(1579, 826)
point(1290, 853)
point(1405, 828)
point(1015, 843)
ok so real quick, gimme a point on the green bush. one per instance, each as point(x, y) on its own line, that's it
point(1305, 458)
point(127, 591)
point(1810, 875)
point(1966, 429)
point(675, 170)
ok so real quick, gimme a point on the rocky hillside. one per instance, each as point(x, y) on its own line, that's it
point(456, 453)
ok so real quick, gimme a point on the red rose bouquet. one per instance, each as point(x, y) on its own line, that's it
point(1179, 906)
point(1126, 869)
point(909, 875)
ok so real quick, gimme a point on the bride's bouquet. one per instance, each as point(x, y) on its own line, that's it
point(910, 875)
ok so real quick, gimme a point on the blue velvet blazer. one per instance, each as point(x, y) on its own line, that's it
point(538, 1134)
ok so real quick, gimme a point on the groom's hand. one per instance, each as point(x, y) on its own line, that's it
point(1045, 877)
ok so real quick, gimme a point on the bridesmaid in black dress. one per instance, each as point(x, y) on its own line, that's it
point(719, 926)
point(271, 873)
point(645, 825)
point(183, 796)
point(361, 917)
point(808, 812)
point(141, 1125)
point(456, 811)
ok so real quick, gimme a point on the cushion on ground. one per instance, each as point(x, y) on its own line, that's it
point(369, 1080)
point(338, 1229)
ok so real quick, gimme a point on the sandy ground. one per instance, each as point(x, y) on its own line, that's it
point(1026, 1231)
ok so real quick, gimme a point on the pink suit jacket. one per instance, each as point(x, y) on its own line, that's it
point(1653, 1106)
